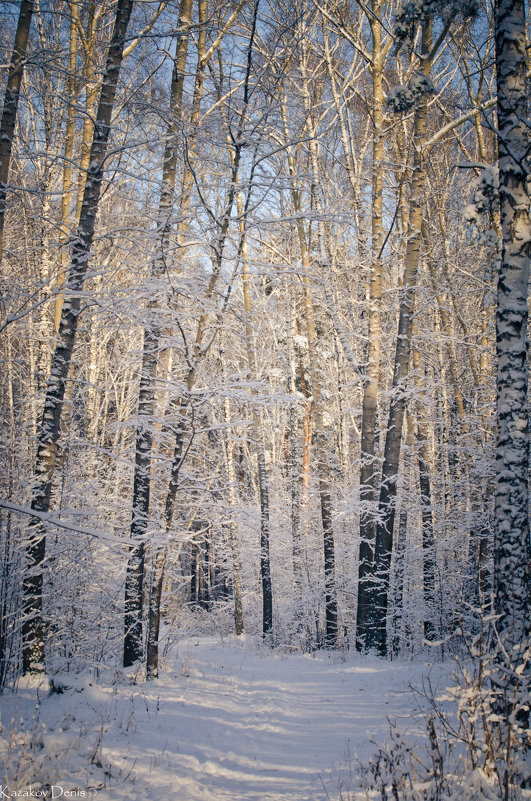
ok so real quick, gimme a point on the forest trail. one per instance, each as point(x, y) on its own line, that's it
point(229, 721)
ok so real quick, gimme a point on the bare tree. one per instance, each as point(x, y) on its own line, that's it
point(133, 644)
point(48, 436)
point(376, 632)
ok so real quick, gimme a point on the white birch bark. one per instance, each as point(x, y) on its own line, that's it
point(512, 557)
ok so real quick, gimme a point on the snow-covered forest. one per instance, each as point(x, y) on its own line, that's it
point(263, 334)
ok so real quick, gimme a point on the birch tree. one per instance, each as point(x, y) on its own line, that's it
point(376, 633)
point(33, 624)
point(369, 460)
point(11, 98)
point(512, 556)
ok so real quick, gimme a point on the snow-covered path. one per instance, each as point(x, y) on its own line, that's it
point(230, 722)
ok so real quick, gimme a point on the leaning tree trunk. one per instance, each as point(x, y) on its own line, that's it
point(376, 629)
point(512, 556)
point(9, 114)
point(48, 435)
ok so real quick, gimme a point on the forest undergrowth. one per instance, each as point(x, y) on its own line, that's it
point(477, 743)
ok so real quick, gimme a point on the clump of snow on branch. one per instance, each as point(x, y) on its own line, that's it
point(485, 189)
point(415, 12)
point(483, 205)
point(403, 98)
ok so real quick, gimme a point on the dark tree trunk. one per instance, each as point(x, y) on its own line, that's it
point(133, 645)
point(9, 114)
point(48, 435)
point(428, 541)
point(376, 631)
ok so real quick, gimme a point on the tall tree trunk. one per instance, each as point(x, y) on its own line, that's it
point(231, 476)
point(33, 627)
point(399, 622)
point(67, 166)
point(428, 540)
point(89, 41)
point(369, 460)
point(9, 114)
point(263, 485)
point(294, 471)
point(320, 449)
point(235, 146)
point(512, 554)
point(154, 611)
point(133, 645)
point(320, 442)
point(320, 434)
point(160, 559)
point(376, 631)
point(92, 86)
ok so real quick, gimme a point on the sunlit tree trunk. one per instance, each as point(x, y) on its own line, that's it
point(154, 611)
point(294, 471)
point(369, 462)
point(321, 438)
point(88, 37)
point(92, 86)
point(399, 622)
point(67, 165)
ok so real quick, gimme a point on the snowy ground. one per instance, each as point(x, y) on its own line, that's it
point(227, 721)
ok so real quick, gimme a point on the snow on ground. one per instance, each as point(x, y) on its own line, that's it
point(227, 721)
